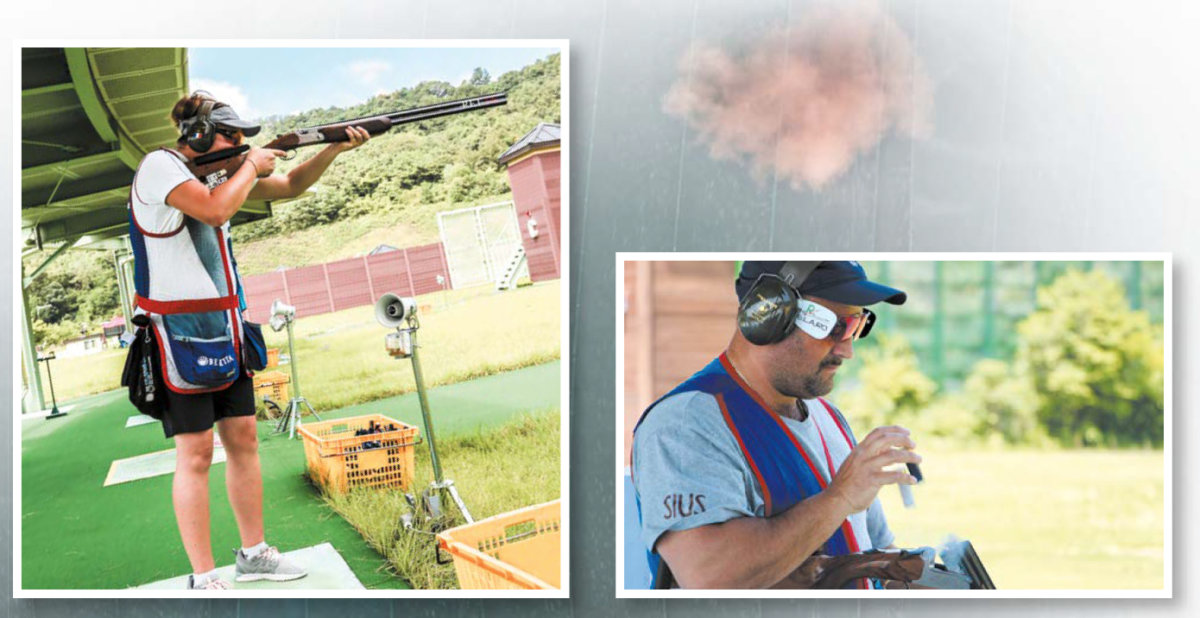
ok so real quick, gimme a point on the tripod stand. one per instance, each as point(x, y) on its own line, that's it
point(291, 415)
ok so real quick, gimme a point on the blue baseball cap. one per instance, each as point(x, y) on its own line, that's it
point(839, 281)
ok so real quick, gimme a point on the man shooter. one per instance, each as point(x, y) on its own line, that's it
point(744, 471)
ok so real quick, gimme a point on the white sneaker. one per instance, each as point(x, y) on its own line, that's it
point(215, 583)
point(268, 564)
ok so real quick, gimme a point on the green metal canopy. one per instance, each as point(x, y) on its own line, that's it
point(88, 115)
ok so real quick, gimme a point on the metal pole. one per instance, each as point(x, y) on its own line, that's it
point(29, 353)
point(416, 365)
point(123, 290)
point(292, 362)
point(54, 412)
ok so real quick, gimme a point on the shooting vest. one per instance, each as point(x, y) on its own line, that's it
point(186, 281)
point(784, 472)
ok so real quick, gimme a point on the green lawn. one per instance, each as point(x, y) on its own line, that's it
point(77, 376)
point(78, 534)
point(465, 334)
point(1043, 519)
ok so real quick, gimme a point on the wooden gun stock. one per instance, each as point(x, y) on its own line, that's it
point(833, 572)
point(215, 168)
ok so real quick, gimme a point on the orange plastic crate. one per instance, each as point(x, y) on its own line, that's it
point(273, 385)
point(519, 550)
point(342, 461)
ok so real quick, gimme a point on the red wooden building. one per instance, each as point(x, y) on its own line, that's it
point(534, 173)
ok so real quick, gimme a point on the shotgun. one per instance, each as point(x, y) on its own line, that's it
point(214, 168)
point(961, 569)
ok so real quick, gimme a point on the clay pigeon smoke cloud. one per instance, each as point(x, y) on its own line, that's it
point(802, 103)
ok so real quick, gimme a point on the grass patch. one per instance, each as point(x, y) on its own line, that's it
point(1043, 519)
point(76, 376)
point(514, 466)
point(465, 334)
point(342, 362)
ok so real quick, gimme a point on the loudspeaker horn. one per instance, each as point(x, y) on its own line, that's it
point(391, 310)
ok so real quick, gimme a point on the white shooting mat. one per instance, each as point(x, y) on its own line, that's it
point(153, 464)
point(137, 420)
point(327, 570)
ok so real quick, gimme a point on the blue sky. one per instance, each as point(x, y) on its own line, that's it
point(261, 82)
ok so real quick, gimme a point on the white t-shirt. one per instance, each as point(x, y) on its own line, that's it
point(159, 174)
point(175, 261)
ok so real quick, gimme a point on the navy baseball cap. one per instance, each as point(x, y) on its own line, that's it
point(840, 281)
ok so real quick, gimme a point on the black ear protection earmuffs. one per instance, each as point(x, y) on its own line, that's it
point(767, 313)
point(201, 132)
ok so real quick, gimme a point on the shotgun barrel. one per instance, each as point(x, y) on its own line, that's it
point(214, 168)
point(336, 132)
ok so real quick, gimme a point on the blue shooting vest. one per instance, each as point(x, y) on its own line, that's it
point(783, 469)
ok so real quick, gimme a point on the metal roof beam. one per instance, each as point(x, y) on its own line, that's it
point(85, 87)
point(78, 187)
point(67, 166)
point(75, 226)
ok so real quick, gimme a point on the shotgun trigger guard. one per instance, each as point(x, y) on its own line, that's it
point(289, 154)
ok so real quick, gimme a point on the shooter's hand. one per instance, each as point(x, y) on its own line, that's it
point(263, 160)
point(862, 474)
point(357, 137)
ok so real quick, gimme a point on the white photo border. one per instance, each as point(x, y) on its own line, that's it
point(619, 473)
point(563, 47)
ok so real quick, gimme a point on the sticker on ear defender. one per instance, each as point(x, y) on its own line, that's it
point(815, 320)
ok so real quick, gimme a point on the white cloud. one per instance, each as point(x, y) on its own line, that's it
point(227, 93)
point(369, 71)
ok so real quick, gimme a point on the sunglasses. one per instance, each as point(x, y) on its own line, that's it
point(820, 322)
point(233, 136)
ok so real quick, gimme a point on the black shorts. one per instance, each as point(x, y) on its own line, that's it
point(192, 413)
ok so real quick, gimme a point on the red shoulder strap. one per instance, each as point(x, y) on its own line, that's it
point(168, 307)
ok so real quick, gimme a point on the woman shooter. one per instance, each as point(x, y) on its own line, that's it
point(187, 285)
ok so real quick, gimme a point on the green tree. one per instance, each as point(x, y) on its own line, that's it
point(480, 77)
point(892, 387)
point(1001, 403)
point(1095, 365)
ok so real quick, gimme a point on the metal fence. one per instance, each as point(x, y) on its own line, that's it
point(479, 242)
point(353, 282)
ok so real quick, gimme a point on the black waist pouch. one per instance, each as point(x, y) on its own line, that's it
point(143, 371)
point(255, 348)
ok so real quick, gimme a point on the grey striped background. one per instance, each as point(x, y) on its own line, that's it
point(1058, 126)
